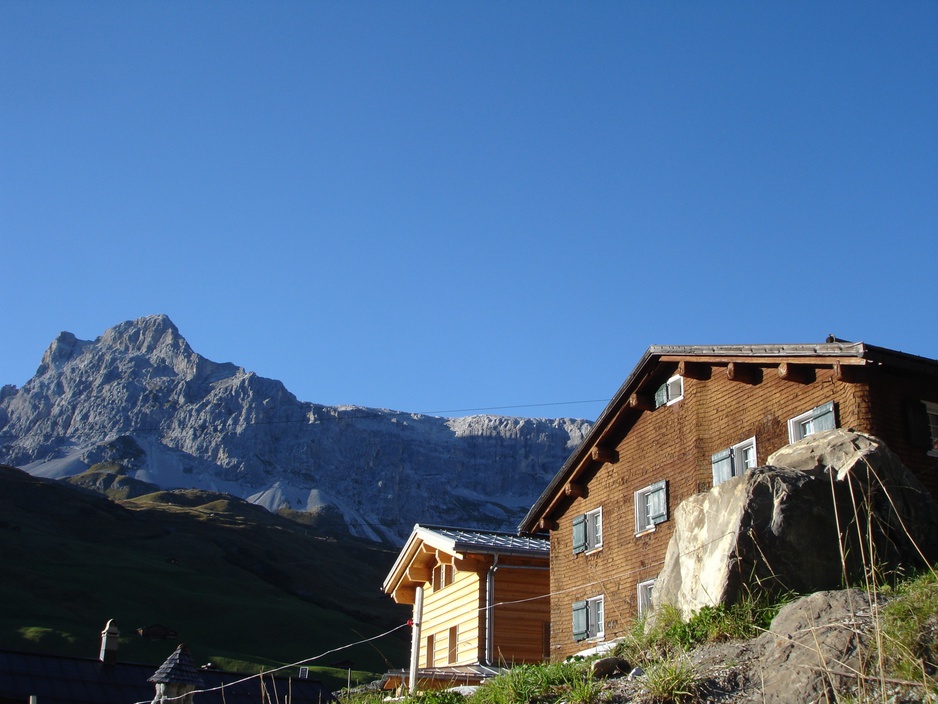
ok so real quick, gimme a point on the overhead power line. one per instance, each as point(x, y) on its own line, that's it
point(526, 405)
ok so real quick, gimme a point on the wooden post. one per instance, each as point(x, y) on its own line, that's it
point(415, 641)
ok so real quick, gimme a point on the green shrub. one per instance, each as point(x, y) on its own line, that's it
point(525, 684)
point(671, 680)
point(910, 630)
point(746, 618)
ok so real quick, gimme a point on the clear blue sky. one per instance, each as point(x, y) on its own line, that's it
point(438, 206)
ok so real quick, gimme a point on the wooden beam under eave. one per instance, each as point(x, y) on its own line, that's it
point(641, 402)
point(846, 373)
point(575, 489)
point(418, 573)
point(547, 524)
point(693, 370)
point(743, 373)
point(604, 454)
point(798, 373)
point(405, 595)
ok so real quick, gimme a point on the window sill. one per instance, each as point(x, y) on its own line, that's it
point(646, 531)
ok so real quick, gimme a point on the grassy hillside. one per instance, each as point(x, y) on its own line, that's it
point(242, 587)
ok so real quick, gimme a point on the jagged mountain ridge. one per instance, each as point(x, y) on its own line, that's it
point(140, 396)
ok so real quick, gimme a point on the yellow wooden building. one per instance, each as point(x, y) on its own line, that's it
point(481, 603)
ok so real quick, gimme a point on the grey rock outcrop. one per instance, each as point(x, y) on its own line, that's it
point(821, 513)
point(139, 396)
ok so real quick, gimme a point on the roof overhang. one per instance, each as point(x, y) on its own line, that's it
point(632, 397)
point(429, 546)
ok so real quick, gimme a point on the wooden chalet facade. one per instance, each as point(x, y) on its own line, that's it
point(689, 417)
point(480, 602)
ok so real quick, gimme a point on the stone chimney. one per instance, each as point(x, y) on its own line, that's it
point(109, 638)
point(177, 678)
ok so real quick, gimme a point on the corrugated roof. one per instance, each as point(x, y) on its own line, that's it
point(458, 541)
point(489, 541)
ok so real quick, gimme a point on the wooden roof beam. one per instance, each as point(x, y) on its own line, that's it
point(405, 595)
point(641, 402)
point(744, 373)
point(604, 454)
point(547, 524)
point(798, 373)
point(693, 370)
point(575, 489)
point(419, 573)
point(847, 374)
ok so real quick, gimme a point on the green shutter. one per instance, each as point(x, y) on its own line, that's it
point(661, 395)
point(579, 533)
point(581, 629)
point(658, 503)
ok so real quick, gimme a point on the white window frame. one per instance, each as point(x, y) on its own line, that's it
point(931, 410)
point(670, 391)
point(736, 457)
point(803, 425)
point(645, 520)
point(591, 525)
point(594, 610)
point(643, 595)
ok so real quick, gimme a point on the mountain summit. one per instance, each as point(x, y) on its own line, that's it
point(140, 397)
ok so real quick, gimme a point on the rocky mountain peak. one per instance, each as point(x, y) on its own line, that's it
point(150, 335)
point(62, 349)
point(139, 396)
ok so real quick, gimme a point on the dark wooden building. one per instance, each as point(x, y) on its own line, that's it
point(688, 417)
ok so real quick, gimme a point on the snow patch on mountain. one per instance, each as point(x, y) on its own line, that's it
point(140, 396)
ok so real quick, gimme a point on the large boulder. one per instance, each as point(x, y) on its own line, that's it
point(823, 513)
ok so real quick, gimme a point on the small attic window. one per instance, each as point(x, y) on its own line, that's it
point(443, 575)
point(670, 392)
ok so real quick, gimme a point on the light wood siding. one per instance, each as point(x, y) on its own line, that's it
point(675, 443)
point(454, 605)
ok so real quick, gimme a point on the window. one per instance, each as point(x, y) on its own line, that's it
point(431, 645)
point(651, 506)
point(453, 650)
point(644, 595)
point(733, 461)
point(814, 421)
point(588, 531)
point(442, 576)
point(588, 620)
point(670, 392)
point(921, 425)
point(931, 410)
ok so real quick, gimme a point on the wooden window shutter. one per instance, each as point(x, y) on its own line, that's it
point(579, 533)
point(580, 620)
point(918, 433)
point(658, 503)
point(661, 395)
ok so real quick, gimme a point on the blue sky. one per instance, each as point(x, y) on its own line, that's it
point(444, 206)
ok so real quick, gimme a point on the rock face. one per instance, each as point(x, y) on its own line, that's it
point(823, 510)
point(139, 396)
